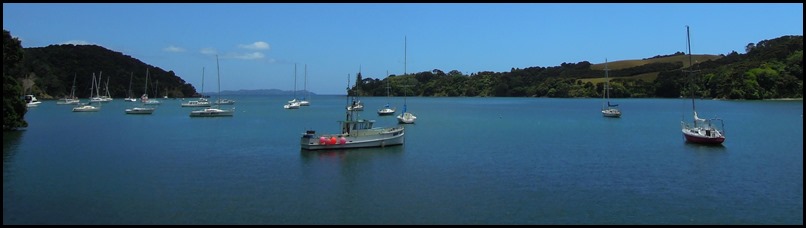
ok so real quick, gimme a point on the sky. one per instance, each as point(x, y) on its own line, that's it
point(262, 45)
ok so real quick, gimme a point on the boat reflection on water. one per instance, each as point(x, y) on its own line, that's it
point(705, 147)
point(352, 155)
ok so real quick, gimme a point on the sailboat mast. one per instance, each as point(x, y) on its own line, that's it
point(92, 87)
point(146, 89)
point(690, 66)
point(306, 82)
point(98, 88)
point(107, 88)
point(73, 92)
point(607, 84)
point(404, 55)
point(218, 72)
point(130, 84)
point(202, 94)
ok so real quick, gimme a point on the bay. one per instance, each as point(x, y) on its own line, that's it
point(465, 161)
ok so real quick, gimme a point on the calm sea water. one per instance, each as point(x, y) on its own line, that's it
point(465, 161)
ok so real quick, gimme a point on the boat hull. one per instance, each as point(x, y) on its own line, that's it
point(211, 113)
point(703, 135)
point(140, 111)
point(703, 139)
point(406, 118)
point(384, 112)
point(388, 137)
point(68, 102)
point(195, 105)
point(611, 113)
point(86, 108)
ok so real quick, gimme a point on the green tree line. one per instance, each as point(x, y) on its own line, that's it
point(770, 69)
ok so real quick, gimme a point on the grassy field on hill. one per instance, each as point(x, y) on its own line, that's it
point(648, 77)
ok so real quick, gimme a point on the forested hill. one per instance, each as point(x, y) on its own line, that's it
point(48, 73)
point(769, 69)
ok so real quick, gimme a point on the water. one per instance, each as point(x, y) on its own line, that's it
point(465, 161)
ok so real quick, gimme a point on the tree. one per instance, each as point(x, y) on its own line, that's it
point(13, 107)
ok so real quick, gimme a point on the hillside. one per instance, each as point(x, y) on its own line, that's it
point(648, 77)
point(263, 92)
point(770, 69)
point(682, 58)
point(49, 72)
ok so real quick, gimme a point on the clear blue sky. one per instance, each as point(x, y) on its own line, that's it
point(258, 44)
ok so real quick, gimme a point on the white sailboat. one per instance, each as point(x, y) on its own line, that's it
point(107, 97)
point(130, 97)
point(304, 101)
point(214, 111)
point(201, 102)
point(88, 107)
point(72, 98)
point(224, 101)
point(702, 131)
point(356, 104)
point(142, 109)
point(293, 103)
point(406, 117)
point(355, 133)
point(608, 110)
point(387, 109)
point(97, 97)
point(144, 98)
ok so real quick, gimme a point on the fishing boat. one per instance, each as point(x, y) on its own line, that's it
point(355, 133)
point(702, 131)
point(608, 109)
point(214, 111)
